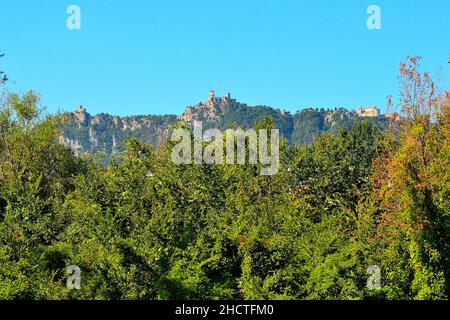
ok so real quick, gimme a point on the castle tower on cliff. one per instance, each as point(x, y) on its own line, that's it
point(211, 96)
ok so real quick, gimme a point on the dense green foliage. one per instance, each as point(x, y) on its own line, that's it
point(141, 227)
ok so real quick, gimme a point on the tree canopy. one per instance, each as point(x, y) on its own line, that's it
point(141, 227)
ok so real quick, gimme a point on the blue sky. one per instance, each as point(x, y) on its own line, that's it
point(156, 57)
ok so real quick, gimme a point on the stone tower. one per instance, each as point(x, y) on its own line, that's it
point(211, 96)
point(81, 115)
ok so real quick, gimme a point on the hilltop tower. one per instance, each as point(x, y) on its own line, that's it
point(81, 115)
point(211, 96)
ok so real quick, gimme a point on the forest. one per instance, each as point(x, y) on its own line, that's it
point(143, 228)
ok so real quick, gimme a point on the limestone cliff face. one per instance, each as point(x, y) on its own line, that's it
point(106, 133)
point(72, 144)
point(93, 133)
point(93, 139)
point(333, 117)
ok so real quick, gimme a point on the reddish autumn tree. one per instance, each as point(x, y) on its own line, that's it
point(412, 183)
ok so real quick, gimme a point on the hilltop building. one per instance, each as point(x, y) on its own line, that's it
point(212, 99)
point(209, 109)
point(369, 112)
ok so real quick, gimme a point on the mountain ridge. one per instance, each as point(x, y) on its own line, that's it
point(103, 132)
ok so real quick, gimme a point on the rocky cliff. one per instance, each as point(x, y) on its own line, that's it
point(106, 133)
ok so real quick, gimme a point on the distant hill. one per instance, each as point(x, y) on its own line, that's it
point(84, 132)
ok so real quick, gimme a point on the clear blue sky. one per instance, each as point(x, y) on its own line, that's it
point(156, 57)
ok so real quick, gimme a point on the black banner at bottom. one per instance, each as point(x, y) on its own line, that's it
point(220, 309)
